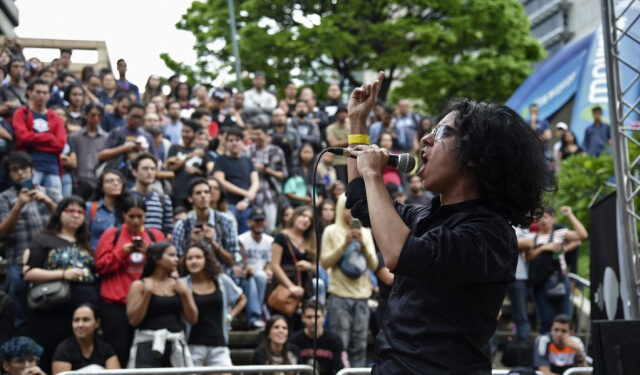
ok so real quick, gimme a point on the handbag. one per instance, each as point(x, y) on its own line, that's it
point(281, 299)
point(46, 296)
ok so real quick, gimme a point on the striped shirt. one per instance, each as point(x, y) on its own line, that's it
point(159, 214)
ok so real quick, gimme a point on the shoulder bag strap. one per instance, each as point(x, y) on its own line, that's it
point(295, 260)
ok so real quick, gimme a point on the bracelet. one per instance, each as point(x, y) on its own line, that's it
point(229, 318)
point(362, 139)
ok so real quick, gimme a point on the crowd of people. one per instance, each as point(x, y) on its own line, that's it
point(161, 219)
point(133, 217)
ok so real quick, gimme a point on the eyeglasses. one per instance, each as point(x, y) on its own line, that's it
point(443, 131)
point(75, 211)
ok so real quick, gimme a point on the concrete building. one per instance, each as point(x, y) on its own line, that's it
point(557, 22)
point(8, 18)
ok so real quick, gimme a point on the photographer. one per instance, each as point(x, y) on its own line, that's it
point(348, 249)
point(119, 261)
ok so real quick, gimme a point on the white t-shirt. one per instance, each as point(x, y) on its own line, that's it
point(258, 253)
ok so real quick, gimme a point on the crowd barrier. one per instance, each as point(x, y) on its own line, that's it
point(578, 371)
point(254, 369)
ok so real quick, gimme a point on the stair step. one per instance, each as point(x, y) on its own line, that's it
point(242, 357)
point(244, 339)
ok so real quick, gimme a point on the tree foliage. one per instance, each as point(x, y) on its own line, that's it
point(437, 49)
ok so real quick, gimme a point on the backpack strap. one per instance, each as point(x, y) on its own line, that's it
point(115, 238)
point(94, 210)
point(151, 236)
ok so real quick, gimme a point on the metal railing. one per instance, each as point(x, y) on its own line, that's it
point(578, 370)
point(355, 371)
point(254, 369)
point(367, 370)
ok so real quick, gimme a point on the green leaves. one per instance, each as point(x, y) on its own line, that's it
point(475, 48)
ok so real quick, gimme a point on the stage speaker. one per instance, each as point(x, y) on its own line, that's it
point(605, 270)
point(616, 347)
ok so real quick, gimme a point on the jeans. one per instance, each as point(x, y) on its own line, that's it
point(241, 217)
point(16, 288)
point(210, 355)
point(271, 212)
point(322, 290)
point(67, 185)
point(547, 308)
point(518, 292)
point(349, 319)
point(52, 181)
point(254, 288)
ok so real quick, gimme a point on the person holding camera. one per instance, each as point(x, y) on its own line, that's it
point(204, 223)
point(119, 260)
point(25, 209)
point(349, 250)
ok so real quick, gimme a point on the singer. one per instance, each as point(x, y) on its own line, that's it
point(452, 260)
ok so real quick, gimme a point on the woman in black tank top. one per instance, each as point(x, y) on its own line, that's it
point(155, 303)
point(214, 295)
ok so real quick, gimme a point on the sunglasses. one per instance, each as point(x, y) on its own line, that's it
point(443, 131)
point(75, 211)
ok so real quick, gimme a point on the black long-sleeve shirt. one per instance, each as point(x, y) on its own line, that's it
point(450, 281)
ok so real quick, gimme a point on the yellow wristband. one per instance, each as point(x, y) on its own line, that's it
point(361, 139)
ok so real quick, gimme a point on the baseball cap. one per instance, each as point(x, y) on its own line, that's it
point(257, 214)
point(562, 125)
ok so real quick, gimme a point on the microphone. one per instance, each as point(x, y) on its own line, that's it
point(403, 163)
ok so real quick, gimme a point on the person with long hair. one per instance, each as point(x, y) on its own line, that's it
point(275, 348)
point(183, 95)
point(298, 187)
point(60, 252)
point(294, 249)
point(120, 257)
point(108, 195)
point(568, 147)
point(546, 252)
point(155, 306)
point(152, 88)
point(219, 198)
point(219, 301)
point(286, 212)
point(84, 348)
point(75, 96)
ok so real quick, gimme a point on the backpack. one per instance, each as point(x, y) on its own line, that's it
point(120, 163)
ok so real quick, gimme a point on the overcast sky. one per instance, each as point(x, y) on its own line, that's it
point(136, 30)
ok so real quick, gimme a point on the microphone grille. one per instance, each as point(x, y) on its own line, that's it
point(406, 163)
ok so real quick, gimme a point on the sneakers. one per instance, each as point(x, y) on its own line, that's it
point(258, 325)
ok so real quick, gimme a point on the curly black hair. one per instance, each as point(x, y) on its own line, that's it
point(506, 156)
point(19, 347)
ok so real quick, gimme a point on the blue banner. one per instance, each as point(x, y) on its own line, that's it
point(555, 81)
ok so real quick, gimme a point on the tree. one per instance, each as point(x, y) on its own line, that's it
point(437, 49)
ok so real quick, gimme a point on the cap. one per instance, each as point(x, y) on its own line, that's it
point(562, 125)
point(257, 214)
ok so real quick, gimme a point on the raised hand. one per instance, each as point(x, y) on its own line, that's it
point(363, 99)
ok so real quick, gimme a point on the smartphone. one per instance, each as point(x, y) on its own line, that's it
point(137, 241)
point(27, 183)
point(356, 224)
